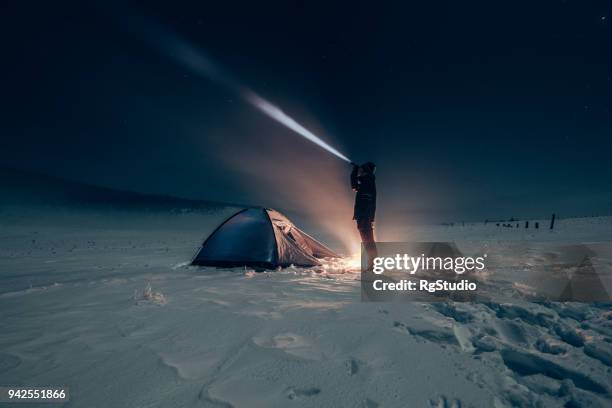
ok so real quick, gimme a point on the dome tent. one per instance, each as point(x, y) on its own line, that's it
point(260, 237)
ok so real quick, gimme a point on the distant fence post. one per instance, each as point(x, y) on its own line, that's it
point(552, 221)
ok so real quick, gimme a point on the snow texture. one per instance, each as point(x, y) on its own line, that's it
point(73, 312)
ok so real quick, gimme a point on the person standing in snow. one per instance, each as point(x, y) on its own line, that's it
point(363, 183)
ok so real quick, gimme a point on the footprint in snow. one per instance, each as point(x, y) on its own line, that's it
point(436, 336)
point(352, 367)
point(443, 402)
point(295, 393)
point(291, 343)
point(527, 364)
point(368, 403)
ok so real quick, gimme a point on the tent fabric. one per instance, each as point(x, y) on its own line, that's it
point(260, 237)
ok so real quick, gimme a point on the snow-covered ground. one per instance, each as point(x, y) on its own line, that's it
point(114, 311)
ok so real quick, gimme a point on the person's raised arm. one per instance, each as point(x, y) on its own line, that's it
point(354, 172)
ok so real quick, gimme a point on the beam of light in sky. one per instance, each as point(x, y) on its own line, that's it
point(188, 56)
point(278, 115)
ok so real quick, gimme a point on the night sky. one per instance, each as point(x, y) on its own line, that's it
point(469, 109)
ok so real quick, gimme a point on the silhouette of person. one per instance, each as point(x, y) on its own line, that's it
point(363, 182)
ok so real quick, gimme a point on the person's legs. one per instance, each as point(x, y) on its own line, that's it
point(366, 230)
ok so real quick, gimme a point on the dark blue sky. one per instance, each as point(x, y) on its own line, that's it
point(470, 109)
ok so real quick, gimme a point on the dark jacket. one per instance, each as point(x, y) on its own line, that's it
point(365, 199)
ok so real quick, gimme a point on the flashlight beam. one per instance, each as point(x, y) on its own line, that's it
point(278, 115)
point(186, 55)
